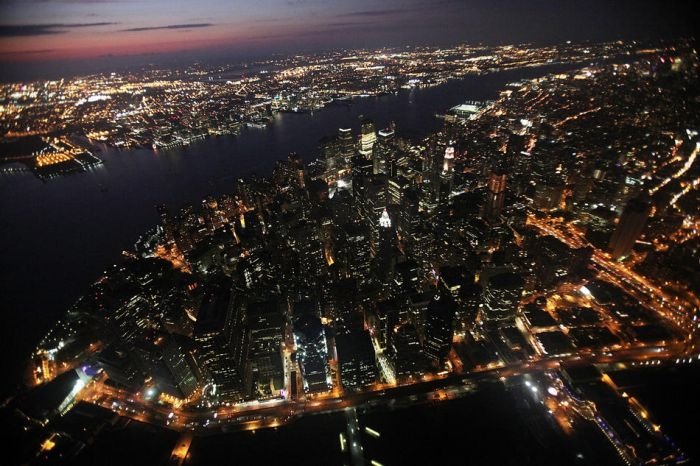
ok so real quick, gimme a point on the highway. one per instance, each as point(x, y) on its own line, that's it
point(272, 413)
point(681, 310)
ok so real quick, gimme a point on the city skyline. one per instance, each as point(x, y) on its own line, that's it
point(317, 232)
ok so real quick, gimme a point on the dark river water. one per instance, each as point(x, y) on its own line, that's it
point(58, 236)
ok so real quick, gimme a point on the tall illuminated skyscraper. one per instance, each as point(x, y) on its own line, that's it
point(447, 173)
point(386, 257)
point(448, 161)
point(383, 152)
point(367, 138)
point(346, 146)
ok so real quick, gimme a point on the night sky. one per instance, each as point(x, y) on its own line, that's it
point(37, 31)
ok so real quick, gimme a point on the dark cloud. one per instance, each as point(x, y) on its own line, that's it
point(22, 30)
point(372, 13)
point(342, 24)
point(61, 1)
point(27, 52)
point(409, 8)
point(170, 26)
point(345, 28)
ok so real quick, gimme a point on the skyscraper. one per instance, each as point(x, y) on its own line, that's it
point(502, 294)
point(549, 193)
point(368, 137)
point(330, 157)
point(386, 256)
point(357, 250)
point(346, 146)
point(629, 227)
point(371, 201)
point(448, 160)
point(265, 374)
point(357, 359)
point(383, 152)
point(439, 327)
point(446, 175)
point(121, 366)
point(174, 356)
point(405, 353)
point(495, 195)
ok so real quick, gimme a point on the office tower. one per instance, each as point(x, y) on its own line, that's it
point(407, 277)
point(519, 160)
point(212, 335)
point(340, 301)
point(341, 207)
point(495, 196)
point(437, 162)
point(346, 146)
point(409, 208)
point(357, 250)
point(175, 356)
point(439, 327)
point(370, 202)
point(501, 294)
point(553, 262)
point(336, 154)
point(436, 153)
point(330, 157)
point(409, 218)
point(448, 160)
point(447, 173)
point(168, 361)
point(384, 152)
point(265, 374)
point(405, 353)
point(386, 249)
point(629, 227)
point(309, 253)
point(357, 359)
point(396, 188)
point(236, 331)
point(384, 318)
point(469, 302)
point(367, 138)
point(549, 193)
point(121, 366)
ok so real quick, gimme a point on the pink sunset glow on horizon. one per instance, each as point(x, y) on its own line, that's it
point(49, 30)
